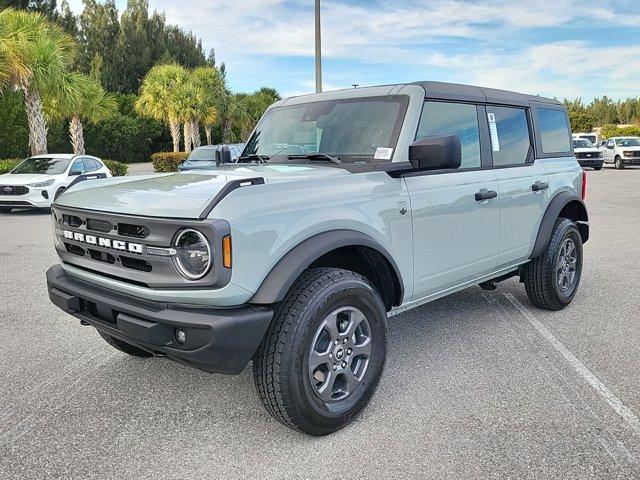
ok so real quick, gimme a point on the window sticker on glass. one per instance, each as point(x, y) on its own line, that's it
point(493, 130)
point(383, 153)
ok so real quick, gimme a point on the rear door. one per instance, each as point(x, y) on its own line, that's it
point(522, 183)
point(455, 234)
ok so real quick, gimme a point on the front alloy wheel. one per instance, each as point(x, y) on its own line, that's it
point(339, 354)
point(322, 356)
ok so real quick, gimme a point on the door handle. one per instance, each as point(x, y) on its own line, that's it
point(539, 186)
point(485, 194)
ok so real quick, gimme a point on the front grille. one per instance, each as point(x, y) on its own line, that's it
point(115, 246)
point(589, 155)
point(13, 190)
point(14, 204)
point(633, 154)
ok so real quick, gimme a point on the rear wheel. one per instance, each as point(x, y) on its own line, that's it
point(124, 346)
point(551, 280)
point(619, 163)
point(322, 357)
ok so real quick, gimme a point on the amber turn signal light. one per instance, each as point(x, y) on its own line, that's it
point(226, 251)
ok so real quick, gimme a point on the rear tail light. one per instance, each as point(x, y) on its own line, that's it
point(584, 184)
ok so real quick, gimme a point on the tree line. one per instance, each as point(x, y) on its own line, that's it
point(100, 75)
point(602, 111)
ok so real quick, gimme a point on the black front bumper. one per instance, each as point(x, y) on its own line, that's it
point(591, 162)
point(217, 340)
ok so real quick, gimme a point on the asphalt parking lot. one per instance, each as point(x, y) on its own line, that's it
point(477, 385)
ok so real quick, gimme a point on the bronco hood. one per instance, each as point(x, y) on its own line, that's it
point(178, 195)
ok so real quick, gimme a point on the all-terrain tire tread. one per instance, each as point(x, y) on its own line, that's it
point(268, 362)
point(538, 274)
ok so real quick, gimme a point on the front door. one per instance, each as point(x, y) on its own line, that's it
point(455, 216)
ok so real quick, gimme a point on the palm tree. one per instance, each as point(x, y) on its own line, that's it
point(36, 55)
point(210, 89)
point(84, 98)
point(185, 100)
point(159, 95)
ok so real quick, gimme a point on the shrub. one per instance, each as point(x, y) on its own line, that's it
point(608, 131)
point(117, 169)
point(168, 161)
point(8, 164)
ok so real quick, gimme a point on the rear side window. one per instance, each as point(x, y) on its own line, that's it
point(554, 130)
point(90, 165)
point(440, 118)
point(510, 139)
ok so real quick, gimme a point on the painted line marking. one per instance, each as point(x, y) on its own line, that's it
point(608, 396)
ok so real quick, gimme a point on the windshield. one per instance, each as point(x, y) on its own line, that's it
point(591, 138)
point(582, 143)
point(202, 154)
point(42, 165)
point(629, 142)
point(354, 129)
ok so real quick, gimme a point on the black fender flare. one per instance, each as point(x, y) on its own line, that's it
point(549, 219)
point(279, 280)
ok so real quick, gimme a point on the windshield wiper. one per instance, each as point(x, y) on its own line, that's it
point(254, 157)
point(318, 157)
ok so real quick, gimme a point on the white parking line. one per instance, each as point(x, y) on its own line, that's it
point(614, 402)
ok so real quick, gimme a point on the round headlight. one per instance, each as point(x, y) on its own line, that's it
point(193, 254)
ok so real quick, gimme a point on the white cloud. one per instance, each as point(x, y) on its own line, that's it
point(500, 43)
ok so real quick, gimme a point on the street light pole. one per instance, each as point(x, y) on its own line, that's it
point(318, 50)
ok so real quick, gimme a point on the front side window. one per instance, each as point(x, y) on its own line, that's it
point(441, 118)
point(44, 166)
point(78, 166)
point(354, 129)
point(554, 130)
point(510, 139)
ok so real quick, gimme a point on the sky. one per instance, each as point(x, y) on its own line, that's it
point(555, 48)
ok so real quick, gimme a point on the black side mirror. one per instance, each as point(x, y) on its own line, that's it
point(74, 173)
point(223, 155)
point(436, 153)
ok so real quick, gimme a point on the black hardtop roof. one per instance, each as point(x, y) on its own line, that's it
point(471, 93)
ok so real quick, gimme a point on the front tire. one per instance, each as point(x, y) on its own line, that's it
point(124, 346)
point(322, 356)
point(597, 168)
point(5, 210)
point(619, 163)
point(551, 280)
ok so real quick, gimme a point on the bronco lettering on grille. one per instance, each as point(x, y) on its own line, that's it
point(103, 242)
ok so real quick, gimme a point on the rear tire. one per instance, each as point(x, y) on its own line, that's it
point(551, 280)
point(124, 346)
point(309, 380)
point(597, 168)
point(619, 163)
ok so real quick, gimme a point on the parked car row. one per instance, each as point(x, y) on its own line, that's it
point(618, 151)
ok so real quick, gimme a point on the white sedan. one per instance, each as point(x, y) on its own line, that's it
point(35, 182)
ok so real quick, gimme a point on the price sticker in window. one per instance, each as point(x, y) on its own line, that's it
point(493, 130)
point(383, 153)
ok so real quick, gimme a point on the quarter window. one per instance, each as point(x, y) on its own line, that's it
point(554, 130)
point(510, 139)
point(441, 118)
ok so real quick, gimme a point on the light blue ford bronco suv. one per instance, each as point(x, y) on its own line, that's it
point(344, 209)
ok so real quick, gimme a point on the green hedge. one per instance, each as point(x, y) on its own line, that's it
point(8, 164)
point(168, 161)
point(117, 169)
